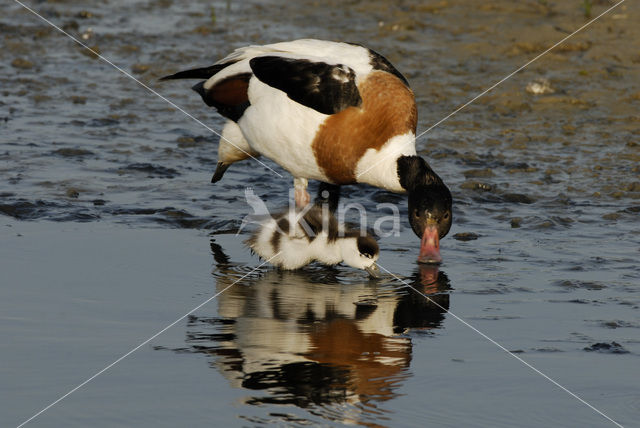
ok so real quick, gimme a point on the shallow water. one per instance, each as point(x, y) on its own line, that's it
point(111, 229)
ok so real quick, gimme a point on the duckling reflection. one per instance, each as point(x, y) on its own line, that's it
point(316, 337)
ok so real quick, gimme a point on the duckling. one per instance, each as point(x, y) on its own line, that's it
point(297, 238)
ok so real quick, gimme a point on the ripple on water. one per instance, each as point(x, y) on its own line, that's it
point(25, 210)
point(151, 170)
point(607, 348)
point(73, 152)
point(577, 284)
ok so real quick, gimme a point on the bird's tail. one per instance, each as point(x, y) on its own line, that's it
point(197, 73)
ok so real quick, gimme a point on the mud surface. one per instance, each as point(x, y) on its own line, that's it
point(542, 256)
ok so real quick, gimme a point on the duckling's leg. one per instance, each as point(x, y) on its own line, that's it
point(328, 194)
point(301, 195)
point(232, 148)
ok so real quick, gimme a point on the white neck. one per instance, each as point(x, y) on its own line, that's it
point(329, 253)
point(379, 168)
point(350, 253)
point(343, 245)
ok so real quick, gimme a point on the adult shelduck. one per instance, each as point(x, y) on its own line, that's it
point(335, 112)
point(294, 239)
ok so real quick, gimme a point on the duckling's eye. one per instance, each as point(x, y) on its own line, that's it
point(416, 213)
point(446, 216)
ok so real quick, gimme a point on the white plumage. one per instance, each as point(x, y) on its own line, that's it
point(335, 112)
point(294, 239)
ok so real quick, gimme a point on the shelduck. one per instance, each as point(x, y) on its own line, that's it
point(335, 112)
point(296, 238)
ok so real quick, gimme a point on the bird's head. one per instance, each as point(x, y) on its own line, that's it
point(430, 205)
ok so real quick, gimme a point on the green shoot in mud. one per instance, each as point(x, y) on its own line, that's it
point(586, 6)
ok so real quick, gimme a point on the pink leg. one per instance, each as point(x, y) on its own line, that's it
point(301, 195)
point(302, 198)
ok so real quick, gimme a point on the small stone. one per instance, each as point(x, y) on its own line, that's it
point(517, 198)
point(72, 152)
point(93, 53)
point(186, 141)
point(71, 26)
point(87, 34)
point(22, 63)
point(140, 68)
point(130, 48)
point(607, 348)
point(476, 185)
point(545, 224)
point(40, 98)
point(487, 172)
point(633, 187)
point(569, 129)
point(466, 236)
point(540, 86)
point(203, 30)
point(72, 193)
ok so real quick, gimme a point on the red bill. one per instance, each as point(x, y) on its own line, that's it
point(430, 247)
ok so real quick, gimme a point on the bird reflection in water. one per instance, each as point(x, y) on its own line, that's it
point(315, 338)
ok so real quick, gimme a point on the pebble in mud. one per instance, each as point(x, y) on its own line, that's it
point(606, 348)
point(22, 63)
point(633, 187)
point(73, 152)
point(479, 173)
point(476, 185)
point(72, 192)
point(517, 198)
point(152, 170)
point(612, 216)
point(84, 14)
point(540, 86)
point(189, 142)
point(140, 68)
point(93, 52)
point(587, 285)
point(71, 26)
point(466, 236)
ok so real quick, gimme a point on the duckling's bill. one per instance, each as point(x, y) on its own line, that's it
point(373, 271)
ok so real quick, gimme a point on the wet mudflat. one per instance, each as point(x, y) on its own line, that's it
point(111, 230)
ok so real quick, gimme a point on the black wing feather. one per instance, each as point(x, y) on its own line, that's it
point(323, 87)
point(198, 73)
point(378, 62)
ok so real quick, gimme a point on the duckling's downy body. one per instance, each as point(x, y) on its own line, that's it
point(294, 239)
